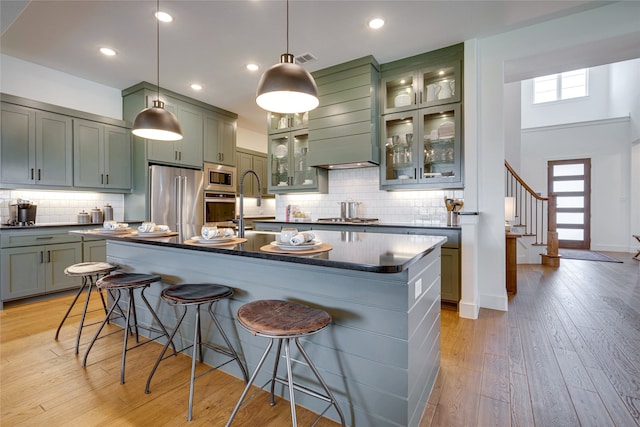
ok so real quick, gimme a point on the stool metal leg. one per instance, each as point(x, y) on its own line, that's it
point(197, 340)
point(275, 374)
point(164, 349)
point(104, 322)
point(324, 385)
point(126, 335)
point(251, 380)
point(84, 312)
point(287, 355)
point(64, 318)
point(232, 350)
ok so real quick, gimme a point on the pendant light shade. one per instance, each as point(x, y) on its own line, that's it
point(287, 87)
point(156, 122)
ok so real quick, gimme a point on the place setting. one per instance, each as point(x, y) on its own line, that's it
point(291, 241)
point(113, 227)
point(151, 229)
point(214, 236)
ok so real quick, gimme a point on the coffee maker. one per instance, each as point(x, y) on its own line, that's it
point(22, 213)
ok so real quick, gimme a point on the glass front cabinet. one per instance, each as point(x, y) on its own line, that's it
point(422, 148)
point(278, 122)
point(288, 167)
point(426, 87)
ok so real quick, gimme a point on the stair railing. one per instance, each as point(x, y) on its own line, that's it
point(534, 213)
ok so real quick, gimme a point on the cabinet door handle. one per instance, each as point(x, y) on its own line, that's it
point(32, 171)
point(180, 155)
point(41, 257)
point(107, 179)
point(48, 256)
point(101, 178)
point(39, 174)
point(222, 155)
point(44, 238)
point(415, 173)
point(421, 174)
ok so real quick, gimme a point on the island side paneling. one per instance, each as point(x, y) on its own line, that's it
point(380, 355)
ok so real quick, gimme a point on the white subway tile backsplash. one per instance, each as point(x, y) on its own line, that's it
point(61, 206)
point(415, 207)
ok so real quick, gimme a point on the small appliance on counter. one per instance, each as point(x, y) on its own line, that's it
point(22, 213)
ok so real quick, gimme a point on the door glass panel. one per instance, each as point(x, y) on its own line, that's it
point(570, 234)
point(565, 186)
point(279, 149)
point(570, 218)
point(568, 170)
point(439, 84)
point(439, 145)
point(302, 174)
point(398, 149)
point(570, 202)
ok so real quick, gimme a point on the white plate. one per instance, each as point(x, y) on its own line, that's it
point(301, 247)
point(281, 151)
point(116, 231)
point(153, 233)
point(201, 239)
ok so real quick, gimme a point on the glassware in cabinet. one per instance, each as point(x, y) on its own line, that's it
point(279, 122)
point(440, 84)
point(398, 92)
point(279, 160)
point(440, 130)
point(399, 132)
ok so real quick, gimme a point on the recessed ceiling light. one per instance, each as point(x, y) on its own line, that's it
point(107, 52)
point(252, 67)
point(196, 86)
point(441, 72)
point(376, 23)
point(163, 17)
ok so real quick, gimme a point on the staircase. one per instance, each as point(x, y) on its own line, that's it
point(535, 218)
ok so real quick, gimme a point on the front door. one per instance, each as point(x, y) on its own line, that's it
point(570, 180)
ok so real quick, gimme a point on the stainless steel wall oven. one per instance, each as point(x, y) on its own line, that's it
point(219, 207)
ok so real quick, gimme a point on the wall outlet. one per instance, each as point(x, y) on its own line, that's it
point(418, 288)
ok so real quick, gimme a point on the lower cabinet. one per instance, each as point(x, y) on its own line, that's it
point(33, 270)
point(94, 250)
point(450, 271)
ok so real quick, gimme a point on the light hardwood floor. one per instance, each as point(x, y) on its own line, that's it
point(567, 353)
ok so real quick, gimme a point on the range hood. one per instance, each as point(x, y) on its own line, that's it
point(356, 151)
point(343, 130)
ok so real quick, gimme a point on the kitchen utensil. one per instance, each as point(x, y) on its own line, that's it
point(343, 209)
point(84, 218)
point(96, 216)
point(108, 212)
point(352, 209)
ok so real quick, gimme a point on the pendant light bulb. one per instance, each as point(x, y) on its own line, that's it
point(155, 122)
point(287, 87)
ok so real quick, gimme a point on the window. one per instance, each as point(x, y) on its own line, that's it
point(556, 87)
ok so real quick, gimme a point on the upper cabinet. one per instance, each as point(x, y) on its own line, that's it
point(288, 167)
point(248, 159)
point(209, 133)
point(102, 156)
point(188, 150)
point(279, 122)
point(219, 139)
point(421, 125)
point(36, 148)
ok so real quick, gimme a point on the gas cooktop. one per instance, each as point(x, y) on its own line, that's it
point(350, 220)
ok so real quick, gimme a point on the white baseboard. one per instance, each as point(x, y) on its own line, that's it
point(468, 310)
point(494, 302)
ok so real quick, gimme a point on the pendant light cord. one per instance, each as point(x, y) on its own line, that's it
point(287, 26)
point(158, 48)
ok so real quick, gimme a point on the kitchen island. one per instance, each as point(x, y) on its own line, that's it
point(381, 354)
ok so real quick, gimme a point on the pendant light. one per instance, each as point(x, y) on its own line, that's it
point(156, 122)
point(287, 87)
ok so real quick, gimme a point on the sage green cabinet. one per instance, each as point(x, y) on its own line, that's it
point(288, 169)
point(280, 122)
point(33, 270)
point(421, 124)
point(188, 150)
point(35, 148)
point(248, 159)
point(343, 130)
point(219, 140)
point(102, 156)
point(94, 250)
point(450, 270)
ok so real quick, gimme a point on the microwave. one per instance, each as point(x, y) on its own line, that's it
point(219, 178)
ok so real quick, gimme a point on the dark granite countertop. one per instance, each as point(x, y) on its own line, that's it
point(371, 252)
point(55, 225)
point(361, 224)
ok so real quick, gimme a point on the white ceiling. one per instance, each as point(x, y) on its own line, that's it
point(209, 41)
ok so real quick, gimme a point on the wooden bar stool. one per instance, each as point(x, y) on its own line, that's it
point(129, 282)
point(196, 295)
point(90, 272)
point(285, 321)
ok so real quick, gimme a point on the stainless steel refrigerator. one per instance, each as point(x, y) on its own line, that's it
point(175, 196)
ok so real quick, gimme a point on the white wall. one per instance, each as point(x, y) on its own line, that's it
point(493, 56)
point(251, 140)
point(28, 80)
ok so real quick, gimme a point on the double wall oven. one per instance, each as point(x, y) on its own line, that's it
point(219, 194)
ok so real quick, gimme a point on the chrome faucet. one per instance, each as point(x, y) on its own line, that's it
point(258, 202)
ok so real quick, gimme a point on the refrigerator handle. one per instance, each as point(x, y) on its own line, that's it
point(179, 196)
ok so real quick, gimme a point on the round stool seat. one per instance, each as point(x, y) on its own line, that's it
point(276, 318)
point(195, 293)
point(89, 268)
point(127, 280)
